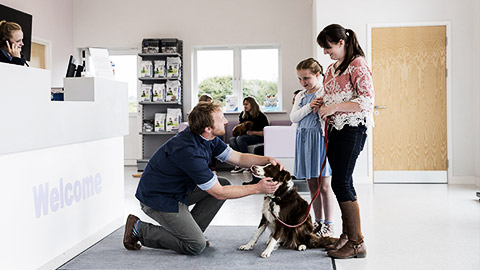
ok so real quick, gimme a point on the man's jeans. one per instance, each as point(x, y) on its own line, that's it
point(182, 231)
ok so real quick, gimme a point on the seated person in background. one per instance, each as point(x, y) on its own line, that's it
point(251, 112)
point(205, 97)
point(177, 176)
point(11, 38)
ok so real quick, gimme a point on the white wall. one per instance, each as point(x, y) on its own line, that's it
point(476, 88)
point(357, 14)
point(52, 21)
point(123, 24)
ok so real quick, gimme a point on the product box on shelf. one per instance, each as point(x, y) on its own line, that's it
point(151, 45)
point(147, 125)
point(173, 91)
point(160, 121)
point(158, 92)
point(174, 67)
point(169, 45)
point(146, 69)
point(159, 70)
point(146, 92)
point(174, 118)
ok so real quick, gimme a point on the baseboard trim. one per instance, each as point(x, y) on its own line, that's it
point(362, 180)
point(464, 180)
point(83, 245)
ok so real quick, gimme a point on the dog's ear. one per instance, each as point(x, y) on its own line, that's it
point(272, 171)
point(283, 176)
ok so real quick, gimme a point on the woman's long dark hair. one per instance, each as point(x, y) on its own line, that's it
point(255, 108)
point(333, 34)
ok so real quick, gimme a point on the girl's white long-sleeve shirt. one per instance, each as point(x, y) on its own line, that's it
point(298, 113)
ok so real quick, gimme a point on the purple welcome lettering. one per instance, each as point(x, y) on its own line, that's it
point(41, 199)
point(46, 197)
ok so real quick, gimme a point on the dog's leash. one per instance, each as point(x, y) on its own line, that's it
point(324, 163)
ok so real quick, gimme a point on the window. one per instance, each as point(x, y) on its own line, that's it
point(229, 74)
point(124, 64)
point(125, 69)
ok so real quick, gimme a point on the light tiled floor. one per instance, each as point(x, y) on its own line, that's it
point(407, 226)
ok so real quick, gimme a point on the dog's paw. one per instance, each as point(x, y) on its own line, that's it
point(245, 247)
point(302, 247)
point(265, 254)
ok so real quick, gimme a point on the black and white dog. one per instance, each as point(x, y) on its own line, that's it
point(287, 205)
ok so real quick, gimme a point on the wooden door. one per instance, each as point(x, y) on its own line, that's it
point(38, 55)
point(410, 134)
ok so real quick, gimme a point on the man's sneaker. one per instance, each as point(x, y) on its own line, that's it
point(327, 230)
point(237, 170)
point(130, 241)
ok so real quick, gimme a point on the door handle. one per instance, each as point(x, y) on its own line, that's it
point(380, 107)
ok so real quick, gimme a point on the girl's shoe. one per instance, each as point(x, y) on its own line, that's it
point(326, 230)
point(317, 227)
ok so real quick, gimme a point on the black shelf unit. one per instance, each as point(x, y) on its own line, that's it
point(151, 141)
point(143, 79)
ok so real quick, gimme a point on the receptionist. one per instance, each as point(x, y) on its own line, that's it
point(11, 37)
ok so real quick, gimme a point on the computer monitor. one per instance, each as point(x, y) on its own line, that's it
point(25, 21)
point(71, 68)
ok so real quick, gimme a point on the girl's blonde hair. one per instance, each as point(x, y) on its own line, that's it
point(312, 65)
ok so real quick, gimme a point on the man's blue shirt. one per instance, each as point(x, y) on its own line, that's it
point(177, 168)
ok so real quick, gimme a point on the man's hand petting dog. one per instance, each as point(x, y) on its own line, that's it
point(275, 162)
point(267, 186)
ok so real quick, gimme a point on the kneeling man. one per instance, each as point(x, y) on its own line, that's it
point(178, 176)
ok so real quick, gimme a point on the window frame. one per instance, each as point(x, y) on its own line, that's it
point(112, 51)
point(237, 70)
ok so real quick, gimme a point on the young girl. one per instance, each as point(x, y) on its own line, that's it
point(348, 100)
point(310, 144)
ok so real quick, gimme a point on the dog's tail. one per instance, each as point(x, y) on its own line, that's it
point(320, 242)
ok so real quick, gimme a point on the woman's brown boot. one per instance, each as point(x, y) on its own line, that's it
point(355, 247)
point(342, 240)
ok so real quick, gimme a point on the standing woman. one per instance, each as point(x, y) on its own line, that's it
point(348, 101)
point(310, 144)
point(11, 43)
point(251, 112)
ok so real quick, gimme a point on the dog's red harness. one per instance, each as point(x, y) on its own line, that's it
point(318, 190)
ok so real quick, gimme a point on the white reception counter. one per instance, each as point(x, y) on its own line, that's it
point(61, 165)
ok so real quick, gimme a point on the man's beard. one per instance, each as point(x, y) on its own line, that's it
point(218, 132)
